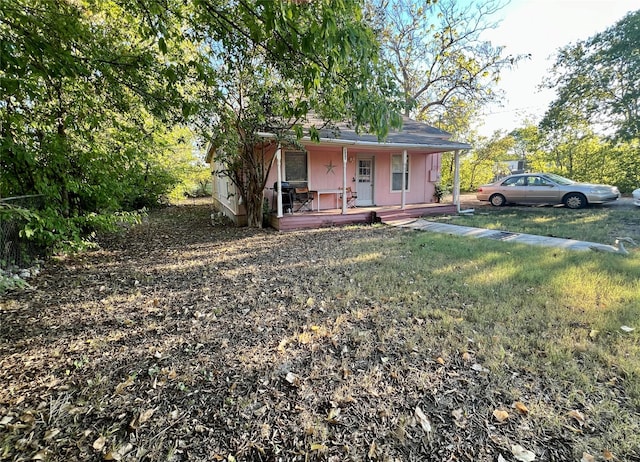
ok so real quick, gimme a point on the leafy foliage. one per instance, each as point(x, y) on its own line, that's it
point(89, 102)
point(592, 128)
point(438, 58)
point(281, 62)
point(574, 151)
point(596, 79)
point(97, 92)
point(481, 164)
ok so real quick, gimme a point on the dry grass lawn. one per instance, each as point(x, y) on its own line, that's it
point(183, 341)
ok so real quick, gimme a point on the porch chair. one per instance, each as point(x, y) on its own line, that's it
point(352, 196)
point(305, 199)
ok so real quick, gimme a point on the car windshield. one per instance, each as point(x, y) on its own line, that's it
point(559, 179)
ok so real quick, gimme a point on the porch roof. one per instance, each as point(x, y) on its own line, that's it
point(413, 135)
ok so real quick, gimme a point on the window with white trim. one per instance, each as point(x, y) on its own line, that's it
point(396, 173)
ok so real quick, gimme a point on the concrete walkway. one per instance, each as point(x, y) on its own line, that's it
point(531, 239)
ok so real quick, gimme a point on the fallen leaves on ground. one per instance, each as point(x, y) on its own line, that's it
point(521, 407)
point(577, 416)
point(522, 454)
point(501, 415)
point(423, 420)
point(184, 341)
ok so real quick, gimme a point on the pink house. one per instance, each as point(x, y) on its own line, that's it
point(384, 180)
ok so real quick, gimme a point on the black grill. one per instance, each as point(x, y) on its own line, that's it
point(287, 195)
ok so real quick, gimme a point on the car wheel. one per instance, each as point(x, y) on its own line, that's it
point(497, 200)
point(575, 201)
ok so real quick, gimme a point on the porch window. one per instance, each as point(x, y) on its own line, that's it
point(296, 167)
point(396, 173)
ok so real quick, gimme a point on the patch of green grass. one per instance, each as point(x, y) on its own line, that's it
point(594, 224)
point(543, 321)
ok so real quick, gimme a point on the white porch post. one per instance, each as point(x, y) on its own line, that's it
point(279, 180)
point(456, 180)
point(404, 179)
point(344, 180)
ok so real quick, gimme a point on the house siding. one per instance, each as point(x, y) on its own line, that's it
point(422, 167)
point(225, 198)
point(326, 173)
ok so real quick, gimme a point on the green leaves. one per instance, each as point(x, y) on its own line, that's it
point(596, 81)
point(277, 62)
point(438, 58)
point(93, 90)
point(593, 126)
point(162, 45)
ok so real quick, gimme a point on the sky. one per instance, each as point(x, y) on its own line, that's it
point(540, 27)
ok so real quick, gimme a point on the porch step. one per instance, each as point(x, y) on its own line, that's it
point(395, 216)
point(292, 222)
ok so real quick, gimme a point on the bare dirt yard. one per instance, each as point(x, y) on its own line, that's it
point(181, 341)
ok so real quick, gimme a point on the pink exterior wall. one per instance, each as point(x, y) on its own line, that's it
point(326, 169)
point(325, 172)
point(424, 172)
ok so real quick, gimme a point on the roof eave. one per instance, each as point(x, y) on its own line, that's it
point(451, 146)
point(211, 150)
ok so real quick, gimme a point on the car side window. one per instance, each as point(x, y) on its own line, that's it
point(515, 181)
point(535, 181)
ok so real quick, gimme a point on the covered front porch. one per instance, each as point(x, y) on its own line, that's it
point(392, 179)
point(359, 215)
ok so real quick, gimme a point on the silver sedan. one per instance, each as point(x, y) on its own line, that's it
point(636, 197)
point(545, 188)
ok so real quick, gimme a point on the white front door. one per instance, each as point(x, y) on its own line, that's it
point(364, 180)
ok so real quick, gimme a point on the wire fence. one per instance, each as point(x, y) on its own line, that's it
point(15, 250)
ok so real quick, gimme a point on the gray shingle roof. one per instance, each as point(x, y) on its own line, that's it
point(413, 134)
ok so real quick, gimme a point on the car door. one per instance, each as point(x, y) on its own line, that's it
point(514, 189)
point(541, 190)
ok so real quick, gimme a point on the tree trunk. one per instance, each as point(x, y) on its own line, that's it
point(253, 202)
point(254, 211)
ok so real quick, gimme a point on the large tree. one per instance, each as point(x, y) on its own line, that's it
point(90, 96)
point(597, 81)
point(276, 62)
point(592, 128)
point(92, 90)
point(438, 56)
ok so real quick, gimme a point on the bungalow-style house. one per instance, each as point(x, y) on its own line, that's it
point(395, 178)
